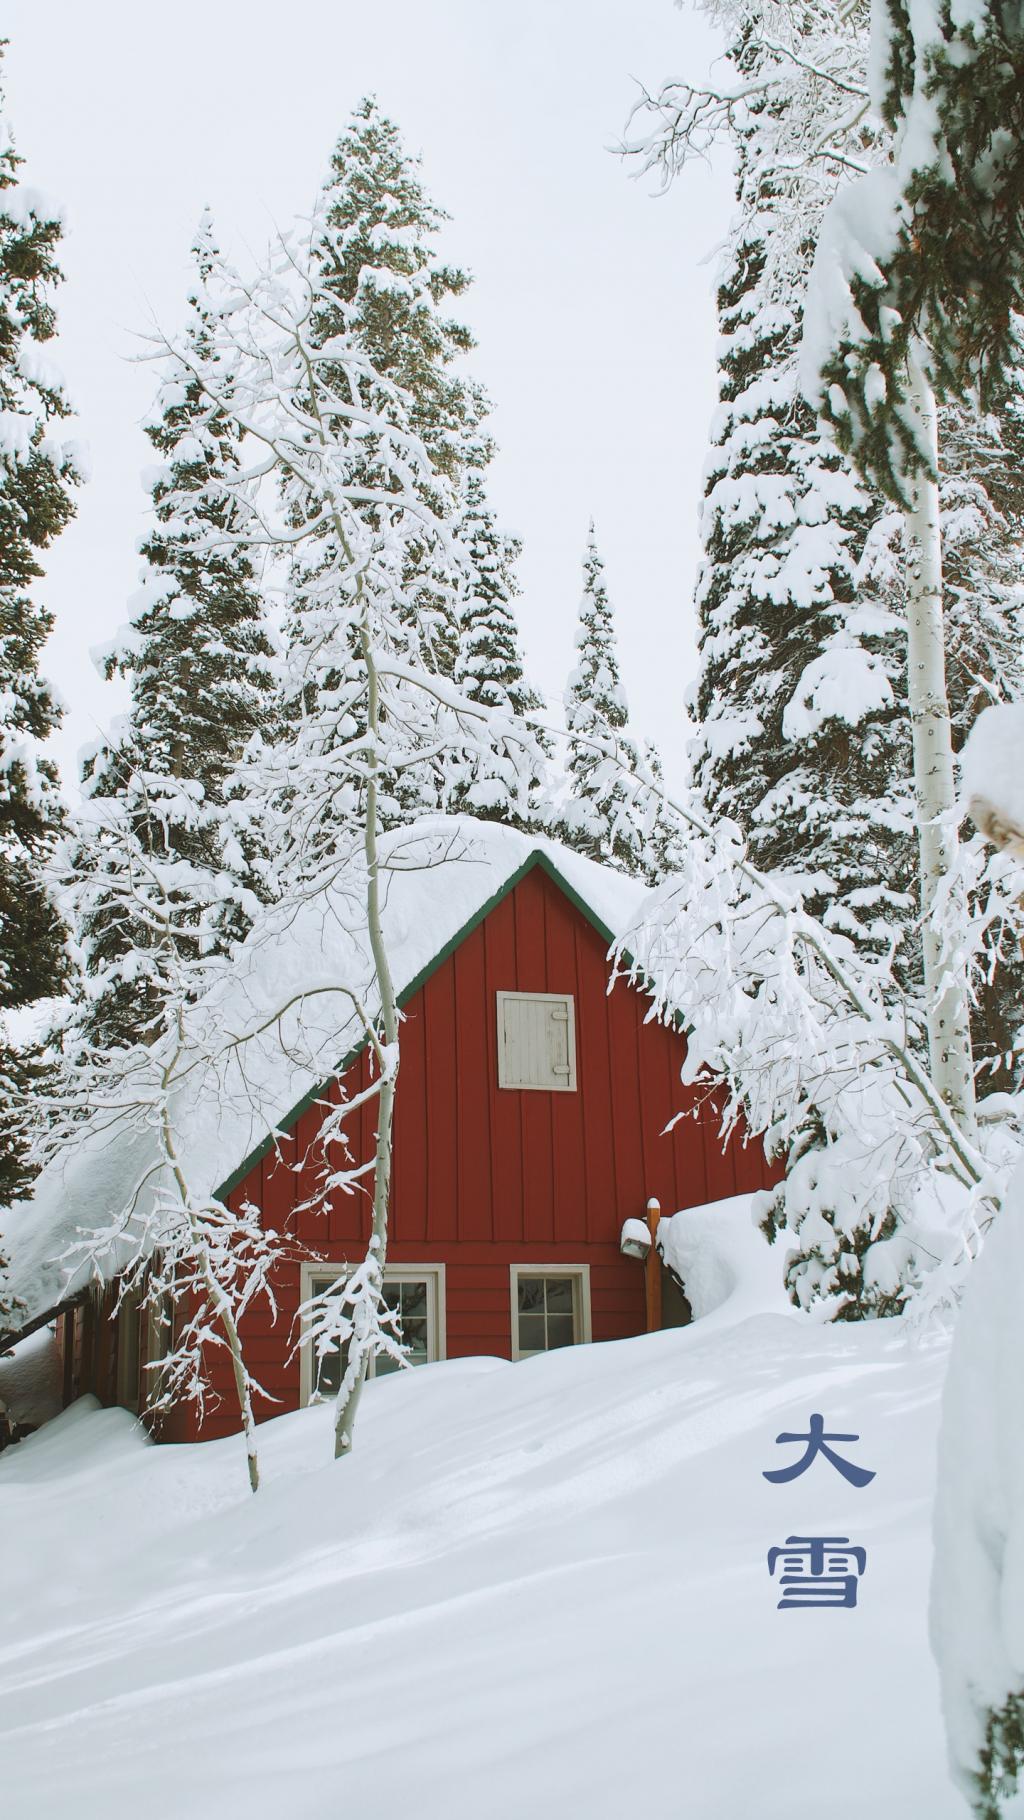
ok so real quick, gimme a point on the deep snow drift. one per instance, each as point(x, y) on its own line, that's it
point(535, 1590)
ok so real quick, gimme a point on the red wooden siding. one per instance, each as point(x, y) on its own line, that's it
point(487, 1177)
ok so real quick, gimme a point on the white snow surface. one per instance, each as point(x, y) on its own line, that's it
point(440, 875)
point(727, 1266)
point(978, 1582)
point(536, 1589)
point(992, 763)
point(31, 1380)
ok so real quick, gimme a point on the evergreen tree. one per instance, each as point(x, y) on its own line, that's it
point(38, 471)
point(197, 655)
point(377, 258)
point(612, 812)
point(803, 734)
point(377, 279)
point(489, 670)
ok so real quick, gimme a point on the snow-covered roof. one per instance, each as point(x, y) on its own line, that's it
point(442, 877)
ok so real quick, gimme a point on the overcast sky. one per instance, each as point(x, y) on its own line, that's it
point(592, 301)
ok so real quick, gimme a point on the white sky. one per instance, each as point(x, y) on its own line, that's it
point(592, 302)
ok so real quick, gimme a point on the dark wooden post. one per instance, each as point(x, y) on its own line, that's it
point(652, 1269)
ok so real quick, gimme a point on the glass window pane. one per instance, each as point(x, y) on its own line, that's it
point(531, 1333)
point(392, 1295)
point(383, 1365)
point(559, 1295)
point(414, 1299)
point(560, 1331)
point(531, 1294)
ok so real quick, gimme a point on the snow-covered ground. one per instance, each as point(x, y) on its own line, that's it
point(535, 1590)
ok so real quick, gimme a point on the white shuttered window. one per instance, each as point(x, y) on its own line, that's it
point(537, 1041)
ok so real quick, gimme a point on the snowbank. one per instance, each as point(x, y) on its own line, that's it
point(533, 1589)
point(992, 775)
point(724, 1261)
point(978, 1577)
point(31, 1380)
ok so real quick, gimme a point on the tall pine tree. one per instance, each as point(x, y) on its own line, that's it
point(489, 669)
point(38, 472)
point(158, 827)
point(378, 278)
point(803, 734)
point(612, 811)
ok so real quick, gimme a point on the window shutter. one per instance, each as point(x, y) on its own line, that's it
point(537, 1041)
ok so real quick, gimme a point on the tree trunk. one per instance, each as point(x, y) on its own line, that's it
point(346, 1412)
point(942, 906)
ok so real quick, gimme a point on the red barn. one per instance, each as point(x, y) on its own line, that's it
point(534, 1115)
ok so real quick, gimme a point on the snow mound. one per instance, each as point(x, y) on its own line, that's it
point(725, 1263)
point(535, 1589)
point(31, 1380)
point(977, 1605)
point(992, 774)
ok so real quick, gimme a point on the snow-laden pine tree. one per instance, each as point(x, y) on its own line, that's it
point(159, 857)
point(800, 735)
point(804, 733)
point(38, 468)
point(379, 278)
point(611, 809)
point(919, 284)
point(489, 669)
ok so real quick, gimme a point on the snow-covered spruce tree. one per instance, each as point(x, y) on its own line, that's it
point(800, 733)
point(804, 734)
point(38, 468)
point(919, 282)
point(158, 794)
point(489, 668)
point(381, 279)
point(612, 809)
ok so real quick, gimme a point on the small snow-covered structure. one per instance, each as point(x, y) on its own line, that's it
point(536, 1111)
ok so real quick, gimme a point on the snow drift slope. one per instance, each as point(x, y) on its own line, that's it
point(537, 1589)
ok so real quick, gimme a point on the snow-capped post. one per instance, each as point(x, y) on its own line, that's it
point(652, 1268)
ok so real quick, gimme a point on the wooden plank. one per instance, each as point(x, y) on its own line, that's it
point(505, 1147)
point(470, 1086)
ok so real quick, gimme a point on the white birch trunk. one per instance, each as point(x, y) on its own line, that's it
point(348, 1407)
point(942, 908)
point(220, 1302)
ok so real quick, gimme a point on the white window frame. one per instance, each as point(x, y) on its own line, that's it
point(393, 1273)
point(580, 1274)
point(551, 998)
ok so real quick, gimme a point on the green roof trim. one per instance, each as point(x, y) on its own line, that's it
point(537, 859)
